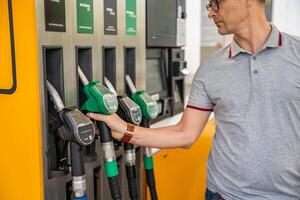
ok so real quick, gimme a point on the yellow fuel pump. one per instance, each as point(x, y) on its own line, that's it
point(22, 112)
point(19, 103)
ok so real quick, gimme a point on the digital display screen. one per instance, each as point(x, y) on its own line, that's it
point(163, 22)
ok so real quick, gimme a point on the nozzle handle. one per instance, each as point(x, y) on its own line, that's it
point(110, 86)
point(82, 77)
point(130, 84)
point(58, 103)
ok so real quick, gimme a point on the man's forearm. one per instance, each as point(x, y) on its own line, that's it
point(162, 138)
point(181, 135)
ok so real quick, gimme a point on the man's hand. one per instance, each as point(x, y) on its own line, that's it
point(113, 121)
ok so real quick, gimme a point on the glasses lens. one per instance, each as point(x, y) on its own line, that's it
point(208, 6)
point(213, 4)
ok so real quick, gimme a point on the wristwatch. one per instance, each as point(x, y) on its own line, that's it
point(127, 135)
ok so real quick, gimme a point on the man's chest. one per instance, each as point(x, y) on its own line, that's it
point(251, 82)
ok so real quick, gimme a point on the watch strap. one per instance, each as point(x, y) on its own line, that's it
point(128, 133)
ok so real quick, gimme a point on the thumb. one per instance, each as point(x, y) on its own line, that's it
point(98, 117)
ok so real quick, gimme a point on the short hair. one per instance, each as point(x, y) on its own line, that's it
point(262, 1)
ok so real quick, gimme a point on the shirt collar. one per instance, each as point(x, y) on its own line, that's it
point(273, 41)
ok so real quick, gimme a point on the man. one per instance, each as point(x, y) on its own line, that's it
point(253, 87)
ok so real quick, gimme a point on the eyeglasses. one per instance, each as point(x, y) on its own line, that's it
point(213, 4)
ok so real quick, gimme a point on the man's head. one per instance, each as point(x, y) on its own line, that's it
point(231, 15)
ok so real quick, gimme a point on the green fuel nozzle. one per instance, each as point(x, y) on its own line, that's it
point(130, 112)
point(149, 111)
point(101, 100)
point(148, 105)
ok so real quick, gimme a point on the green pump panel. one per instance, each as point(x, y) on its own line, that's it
point(131, 17)
point(85, 16)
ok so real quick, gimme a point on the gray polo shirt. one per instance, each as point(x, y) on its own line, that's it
point(256, 100)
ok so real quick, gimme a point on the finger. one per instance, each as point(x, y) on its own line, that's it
point(98, 117)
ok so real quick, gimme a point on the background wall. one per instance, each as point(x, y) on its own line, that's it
point(203, 39)
point(286, 16)
point(193, 35)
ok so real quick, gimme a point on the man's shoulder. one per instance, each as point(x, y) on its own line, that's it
point(214, 61)
point(292, 39)
point(292, 46)
point(221, 53)
point(218, 56)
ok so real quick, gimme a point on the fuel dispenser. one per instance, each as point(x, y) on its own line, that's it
point(149, 111)
point(165, 54)
point(102, 100)
point(59, 36)
point(79, 131)
point(131, 112)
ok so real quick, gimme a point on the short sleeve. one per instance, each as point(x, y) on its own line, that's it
point(199, 98)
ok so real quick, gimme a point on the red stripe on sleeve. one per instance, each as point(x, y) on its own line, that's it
point(199, 108)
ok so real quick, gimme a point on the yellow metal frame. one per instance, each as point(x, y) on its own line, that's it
point(20, 123)
point(181, 174)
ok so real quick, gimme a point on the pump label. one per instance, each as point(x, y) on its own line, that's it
point(85, 16)
point(110, 17)
point(8, 82)
point(55, 15)
point(131, 17)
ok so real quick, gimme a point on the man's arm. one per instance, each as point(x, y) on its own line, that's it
point(181, 135)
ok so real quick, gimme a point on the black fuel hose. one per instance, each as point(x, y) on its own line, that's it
point(76, 160)
point(131, 174)
point(148, 164)
point(110, 163)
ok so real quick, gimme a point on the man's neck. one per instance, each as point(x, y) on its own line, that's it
point(254, 34)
